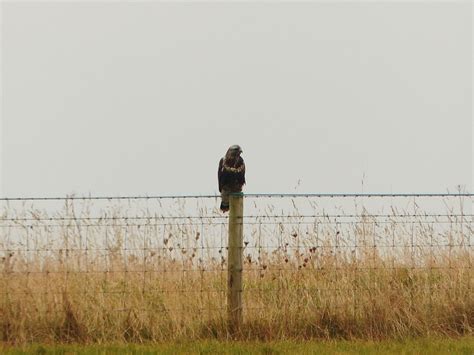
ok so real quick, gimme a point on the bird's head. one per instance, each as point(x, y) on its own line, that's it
point(234, 151)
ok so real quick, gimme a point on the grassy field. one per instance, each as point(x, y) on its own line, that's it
point(419, 346)
point(118, 280)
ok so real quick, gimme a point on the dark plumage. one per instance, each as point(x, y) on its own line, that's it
point(231, 175)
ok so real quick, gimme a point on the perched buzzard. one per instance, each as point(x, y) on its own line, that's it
point(231, 175)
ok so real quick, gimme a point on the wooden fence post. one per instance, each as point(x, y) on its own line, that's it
point(234, 262)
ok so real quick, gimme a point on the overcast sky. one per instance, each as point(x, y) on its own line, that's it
point(144, 98)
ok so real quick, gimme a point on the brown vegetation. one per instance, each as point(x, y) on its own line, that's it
point(300, 282)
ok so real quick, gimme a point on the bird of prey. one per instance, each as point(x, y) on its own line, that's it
point(231, 175)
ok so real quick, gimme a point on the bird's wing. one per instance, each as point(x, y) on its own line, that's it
point(242, 172)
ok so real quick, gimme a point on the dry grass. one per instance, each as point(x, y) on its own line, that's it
point(164, 282)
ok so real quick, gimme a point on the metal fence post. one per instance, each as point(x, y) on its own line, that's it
point(234, 266)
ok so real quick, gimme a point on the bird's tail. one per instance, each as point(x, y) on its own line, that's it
point(224, 207)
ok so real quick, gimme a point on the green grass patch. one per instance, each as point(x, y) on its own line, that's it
point(419, 346)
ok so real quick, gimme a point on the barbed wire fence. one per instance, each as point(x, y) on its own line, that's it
point(167, 255)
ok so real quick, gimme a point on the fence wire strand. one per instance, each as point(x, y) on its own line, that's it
point(162, 257)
